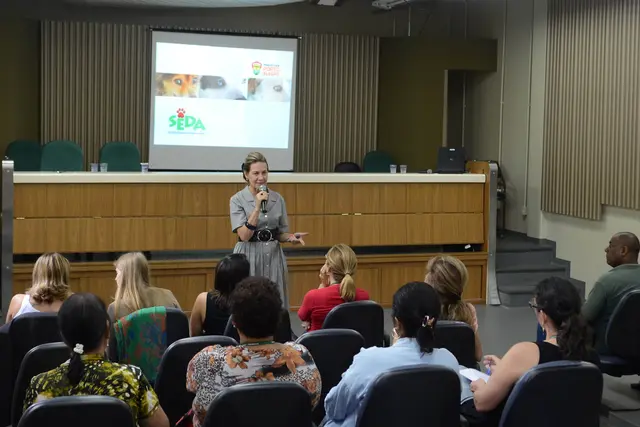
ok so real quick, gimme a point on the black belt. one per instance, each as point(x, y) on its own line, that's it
point(265, 235)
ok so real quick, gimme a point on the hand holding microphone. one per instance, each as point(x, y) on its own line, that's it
point(262, 196)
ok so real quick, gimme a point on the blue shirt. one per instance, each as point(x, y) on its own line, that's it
point(344, 400)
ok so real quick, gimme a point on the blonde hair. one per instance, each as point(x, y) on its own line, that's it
point(342, 263)
point(253, 157)
point(134, 279)
point(50, 279)
point(448, 276)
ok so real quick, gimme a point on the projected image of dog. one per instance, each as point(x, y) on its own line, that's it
point(217, 87)
point(269, 90)
point(181, 85)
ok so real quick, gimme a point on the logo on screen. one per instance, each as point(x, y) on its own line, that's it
point(181, 122)
point(256, 66)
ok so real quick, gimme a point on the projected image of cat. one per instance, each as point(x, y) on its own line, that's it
point(217, 87)
point(269, 90)
point(181, 85)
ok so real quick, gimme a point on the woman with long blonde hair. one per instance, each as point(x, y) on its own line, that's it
point(337, 285)
point(448, 276)
point(49, 287)
point(133, 291)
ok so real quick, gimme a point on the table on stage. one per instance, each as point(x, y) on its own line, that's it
point(164, 213)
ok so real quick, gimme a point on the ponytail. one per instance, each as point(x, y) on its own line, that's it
point(84, 325)
point(425, 335)
point(574, 338)
point(348, 288)
point(76, 369)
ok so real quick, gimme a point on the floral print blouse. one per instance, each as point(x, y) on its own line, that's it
point(216, 367)
point(99, 378)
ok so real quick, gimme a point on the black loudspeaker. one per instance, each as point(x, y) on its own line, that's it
point(451, 160)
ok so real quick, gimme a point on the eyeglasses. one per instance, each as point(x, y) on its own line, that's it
point(532, 304)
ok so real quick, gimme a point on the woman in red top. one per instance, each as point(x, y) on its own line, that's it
point(336, 286)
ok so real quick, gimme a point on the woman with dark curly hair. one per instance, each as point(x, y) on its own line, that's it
point(256, 308)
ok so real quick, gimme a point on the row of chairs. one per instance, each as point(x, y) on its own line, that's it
point(556, 394)
point(333, 351)
point(365, 317)
point(67, 156)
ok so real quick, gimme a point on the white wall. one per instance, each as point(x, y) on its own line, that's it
point(509, 89)
point(580, 241)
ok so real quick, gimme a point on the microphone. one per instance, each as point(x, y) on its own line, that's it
point(263, 204)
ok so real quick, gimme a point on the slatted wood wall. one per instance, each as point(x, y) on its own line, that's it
point(95, 86)
point(592, 117)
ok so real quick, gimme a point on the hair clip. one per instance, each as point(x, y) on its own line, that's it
point(427, 321)
point(79, 348)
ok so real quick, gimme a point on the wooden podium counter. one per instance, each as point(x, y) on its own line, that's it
point(120, 212)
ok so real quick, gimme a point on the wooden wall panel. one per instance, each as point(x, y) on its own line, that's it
point(592, 105)
point(94, 88)
point(174, 216)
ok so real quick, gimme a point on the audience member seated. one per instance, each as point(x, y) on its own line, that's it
point(133, 291)
point(210, 312)
point(416, 309)
point(448, 276)
point(49, 288)
point(557, 307)
point(84, 325)
point(607, 292)
point(255, 307)
point(336, 286)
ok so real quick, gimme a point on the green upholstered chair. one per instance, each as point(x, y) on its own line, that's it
point(120, 156)
point(377, 161)
point(25, 155)
point(62, 156)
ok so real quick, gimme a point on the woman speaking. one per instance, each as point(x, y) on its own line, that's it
point(259, 218)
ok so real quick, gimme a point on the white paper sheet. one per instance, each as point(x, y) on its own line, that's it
point(474, 374)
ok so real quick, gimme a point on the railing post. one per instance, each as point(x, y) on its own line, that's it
point(493, 297)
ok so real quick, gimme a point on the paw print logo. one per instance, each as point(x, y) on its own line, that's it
point(181, 112)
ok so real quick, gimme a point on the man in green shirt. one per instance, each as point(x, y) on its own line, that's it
point(622, 256)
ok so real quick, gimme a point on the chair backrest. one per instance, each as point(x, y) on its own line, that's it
point(42, 358)
point(366, 317)
point(332, 351)
point(283, 333)
point(347, 167)
point(76, 411)
point(170, 383)
point(424, 395)
point(25, 155)
point(120, 156)
point(555, 394)
point(287, 405)
point(177, 325)
point(62, 156)
point(377, 161)
point(459, 339)
point(29, 330)
point(623, 330)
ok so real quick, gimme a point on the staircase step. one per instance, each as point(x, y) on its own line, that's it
point(507, 259)
point(518, 294)
point(534, 272)
point(517, 242)
point(532, 267)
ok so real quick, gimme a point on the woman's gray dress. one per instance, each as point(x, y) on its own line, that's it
point(266, 258)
